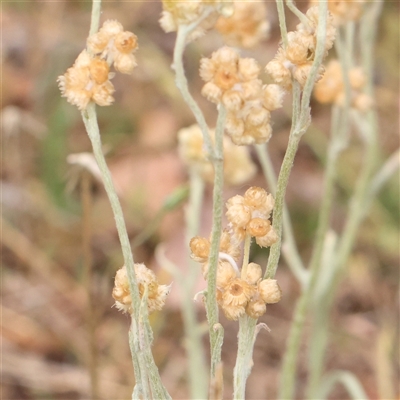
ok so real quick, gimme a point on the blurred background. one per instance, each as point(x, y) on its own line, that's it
point(47, 216)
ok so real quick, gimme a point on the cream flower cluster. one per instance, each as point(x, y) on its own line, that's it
point(233, 81)
point(115, 45)
point(330, 89)
point(247, 26)
point(178, 13)
point(249, 215)
point(236, 295)
point(239, 293)
point(344, 10)
point(157, 294)
point(238, 166)
point(89, 78)
point(295, 61)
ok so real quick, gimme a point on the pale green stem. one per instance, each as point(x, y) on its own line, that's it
point(283, 180)
point(339, 133)
point(300, 123)
point(92, 128)
point(350, 28)
point(282, 22)
point(152, 377)
point(345, 60)
point(302, 17)
point(388, 169)
point(247, 336)
point(95, 17)
point(359, 204)
point(246, 255)
point(347, 379)
point(211, 300)
point(289, 247)
point(182, 84)
point(193, 343)
point(289, 366)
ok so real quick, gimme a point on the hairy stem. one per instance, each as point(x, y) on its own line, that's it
point(247, 336)
point(182, 85)
point(289, 365)
point(194, 348)
point(211, 300)
point(289, 248)
point(246, 255)
point(92, 128)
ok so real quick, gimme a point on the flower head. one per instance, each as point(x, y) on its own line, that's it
point(233, 81)
point(115, 45)
point(249, 214)
point(156, 294)
point(295, 60)
point(87, 80)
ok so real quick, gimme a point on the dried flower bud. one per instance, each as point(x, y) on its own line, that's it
point(115, 45)
point(270, 291)
point(258, 227)
point(268, 240)
point(200, 248)
point(253, 273)
point(256, 308)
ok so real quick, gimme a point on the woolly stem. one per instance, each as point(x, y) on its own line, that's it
point(193, 344)
point(289, 248)
point(211, 300)
point(92, 128)
point(282, 21)
point(182, 84)
point(247, 336)
point(246, 255)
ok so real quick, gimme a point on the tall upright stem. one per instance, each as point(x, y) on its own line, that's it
point(211, 300)
point(193, 344)
point(247, 335)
